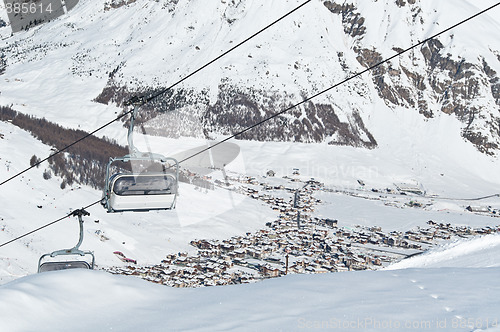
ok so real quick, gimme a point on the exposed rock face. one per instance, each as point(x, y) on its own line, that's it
point(444, 84)
point(236, 109)
point(351, 20)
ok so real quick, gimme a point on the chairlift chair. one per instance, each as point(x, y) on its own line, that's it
point(75, 251)
point(141, 191)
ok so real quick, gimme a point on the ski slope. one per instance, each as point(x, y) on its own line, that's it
point(29, 201)
point(458, 298)
point(473, 253)
point(451, 288)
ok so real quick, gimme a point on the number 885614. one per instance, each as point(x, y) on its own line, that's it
point(27, 8)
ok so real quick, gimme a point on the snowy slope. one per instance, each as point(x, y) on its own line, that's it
point(147, 44)
point(147, 237)
point(452, 299)
point(220, 214)
point(455, 298)
point(478, 252)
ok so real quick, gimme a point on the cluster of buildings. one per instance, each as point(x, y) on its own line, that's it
point(199, 181)
point(293, 243)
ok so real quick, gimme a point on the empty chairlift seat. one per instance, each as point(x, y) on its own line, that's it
point(142, 192)
point(87, 257)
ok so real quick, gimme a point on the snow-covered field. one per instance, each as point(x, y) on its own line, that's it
point(221, 213)
point(458, 292)
point(455, 298)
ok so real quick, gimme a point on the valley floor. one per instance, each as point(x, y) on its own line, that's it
point(297, 242)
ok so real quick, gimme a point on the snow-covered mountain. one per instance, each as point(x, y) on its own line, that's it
point(429, 118)
point(99, 54)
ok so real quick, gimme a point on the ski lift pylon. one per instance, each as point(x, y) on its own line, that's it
point(75, 251)
point(141, 191)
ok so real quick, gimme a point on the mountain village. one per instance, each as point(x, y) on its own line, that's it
point(295, 242)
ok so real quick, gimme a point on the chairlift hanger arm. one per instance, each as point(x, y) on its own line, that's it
point(136, 101)
point(134, 152)
point(76, 249)
point(130, 136)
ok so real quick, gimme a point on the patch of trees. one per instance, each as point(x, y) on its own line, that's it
point(47, 174)
point(3, 63)
point(114, 4)
point(35, 161)
point(83, 163)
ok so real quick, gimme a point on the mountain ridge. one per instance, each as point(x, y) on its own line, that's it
point(164, 41)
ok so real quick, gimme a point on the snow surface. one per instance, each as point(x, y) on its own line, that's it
point(442, 299)
point(478, 252)
point(457, 288)
point(67, 61)
point(451, 284)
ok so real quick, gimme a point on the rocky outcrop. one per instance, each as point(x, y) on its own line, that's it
point(237, 108)
point(351, 19)
point(446, 83)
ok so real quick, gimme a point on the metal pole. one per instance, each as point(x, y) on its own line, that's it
point(130, 137)
point(296, 198)
point(225, 175)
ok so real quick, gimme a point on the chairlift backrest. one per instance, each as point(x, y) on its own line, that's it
point(142, 191)
point(56, 266)
point(143, 184)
